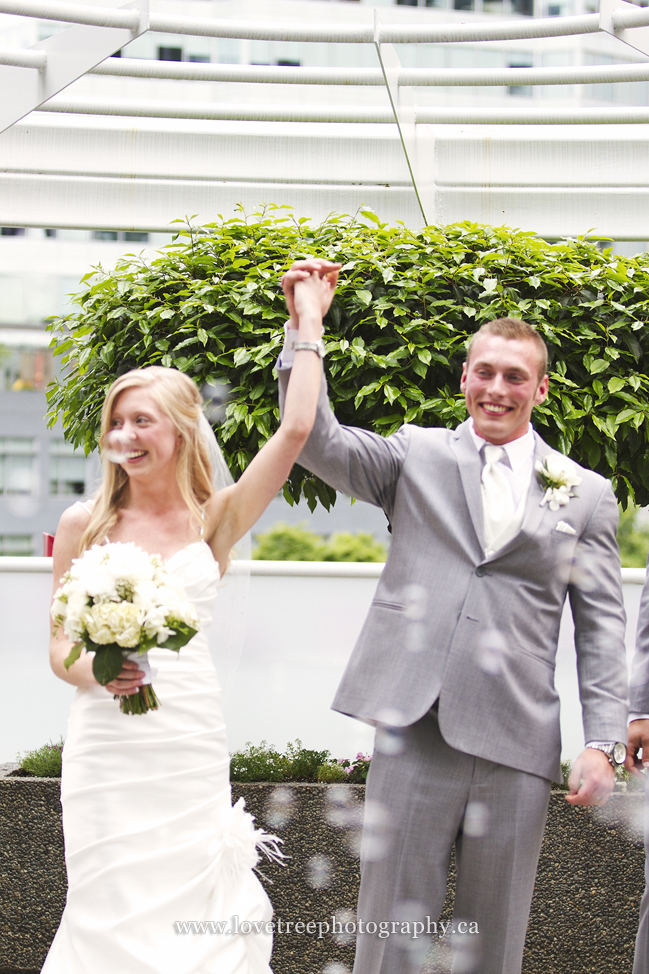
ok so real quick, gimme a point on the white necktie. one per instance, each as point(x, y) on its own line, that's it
point(497, 500)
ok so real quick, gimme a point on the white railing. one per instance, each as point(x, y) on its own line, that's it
point(302, 621)
point(289, 569)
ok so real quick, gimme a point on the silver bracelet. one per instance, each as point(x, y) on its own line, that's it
point(317, 347)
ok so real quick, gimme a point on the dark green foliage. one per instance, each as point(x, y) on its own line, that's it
point(44, 762)
point(303, 764)
point(212, 306)
point(265, 763)
point(293, 542)
point(261, 763)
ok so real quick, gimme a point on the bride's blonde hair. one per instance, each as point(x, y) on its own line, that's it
point(180, 401)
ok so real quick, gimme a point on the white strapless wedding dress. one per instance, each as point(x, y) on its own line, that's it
point(151, 837)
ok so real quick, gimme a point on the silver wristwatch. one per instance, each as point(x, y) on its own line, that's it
point(317, 347)
point(615, 751)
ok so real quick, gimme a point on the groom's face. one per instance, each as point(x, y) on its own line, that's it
point(501, 386)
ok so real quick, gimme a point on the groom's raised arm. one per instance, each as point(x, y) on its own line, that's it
point(354, 461)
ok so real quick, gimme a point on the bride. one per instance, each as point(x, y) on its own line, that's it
point(152, 841)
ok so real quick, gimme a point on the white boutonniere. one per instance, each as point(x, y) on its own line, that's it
point(558, 475)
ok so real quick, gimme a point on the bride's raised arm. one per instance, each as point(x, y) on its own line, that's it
point(309, 288)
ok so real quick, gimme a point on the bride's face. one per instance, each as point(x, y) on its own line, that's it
point(148, 439)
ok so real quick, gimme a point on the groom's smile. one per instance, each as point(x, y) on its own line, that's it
point(501, 385)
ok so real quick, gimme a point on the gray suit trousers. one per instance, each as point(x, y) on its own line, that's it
point(423, 796)
point(641, 956)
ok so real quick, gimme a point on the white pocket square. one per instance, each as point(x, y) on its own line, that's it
point(565, 527)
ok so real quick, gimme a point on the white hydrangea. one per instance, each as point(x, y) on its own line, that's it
point(118, 593)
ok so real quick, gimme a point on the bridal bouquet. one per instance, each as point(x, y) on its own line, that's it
point(118, 602)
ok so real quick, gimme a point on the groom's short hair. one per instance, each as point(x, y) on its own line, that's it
point(514, 329)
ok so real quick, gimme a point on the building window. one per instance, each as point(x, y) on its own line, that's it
point(284, 63)
point(16, 544)
point(200, 58)
point(170, 54)
point(17, 466)
point(130, 236)
point(67, 469)
point(24, 369)
point(12, 231)
point(521, 91)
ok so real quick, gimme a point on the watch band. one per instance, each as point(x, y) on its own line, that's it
point(317, 347)
point(615, 751)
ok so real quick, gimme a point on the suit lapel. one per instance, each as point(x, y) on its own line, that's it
point(470, 467)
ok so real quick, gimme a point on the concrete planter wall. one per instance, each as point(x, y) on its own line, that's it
point(584, 914)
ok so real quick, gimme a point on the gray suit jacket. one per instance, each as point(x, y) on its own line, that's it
point(478, 633)
point(639, 683)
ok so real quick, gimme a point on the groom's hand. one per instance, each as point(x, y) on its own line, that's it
point(638, 742)
point(592, 778)
point(301, 270)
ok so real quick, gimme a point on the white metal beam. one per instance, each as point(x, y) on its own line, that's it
point(118, 174)
point(68, 56)
point(630, 24)
point(421, 115)
point(525, 27)
point(73, 13)
point(591, 74)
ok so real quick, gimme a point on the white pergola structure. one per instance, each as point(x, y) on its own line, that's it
point(128, 163)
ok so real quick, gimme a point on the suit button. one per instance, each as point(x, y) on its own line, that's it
point(480, 571)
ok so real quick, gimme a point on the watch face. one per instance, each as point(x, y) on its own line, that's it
point(619, 753)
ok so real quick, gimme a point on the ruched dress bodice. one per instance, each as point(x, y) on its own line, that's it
point(151, 839)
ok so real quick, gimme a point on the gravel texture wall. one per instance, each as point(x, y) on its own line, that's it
point(584, 914)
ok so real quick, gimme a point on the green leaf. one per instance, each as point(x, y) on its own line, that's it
point(615, 383)
point(73, 655)
point(182, 635)
point(107, 663)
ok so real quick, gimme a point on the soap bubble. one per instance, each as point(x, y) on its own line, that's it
point(280, 810)
point(117, 446)
point(389, 740)
point(344, 816)
point(215, 396)
point(375, 840)
point(476, 819)
point(344, 928)
point(492, 647)
point(576, 570)
point(414, 597)
point(22, 491)
point(319, 872)
point(466, 953)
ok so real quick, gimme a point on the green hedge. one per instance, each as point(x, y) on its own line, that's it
point(211, 305)
point(294, 542)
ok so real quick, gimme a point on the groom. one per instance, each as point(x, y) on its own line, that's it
point(455, 662)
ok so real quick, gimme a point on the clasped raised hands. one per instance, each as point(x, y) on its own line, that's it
point(309, 287)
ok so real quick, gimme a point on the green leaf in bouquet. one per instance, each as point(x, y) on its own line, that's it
point(107, 663)
point(73, 655)
point(181, 636)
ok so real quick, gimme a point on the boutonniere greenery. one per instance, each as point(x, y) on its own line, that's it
point(558, 475)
